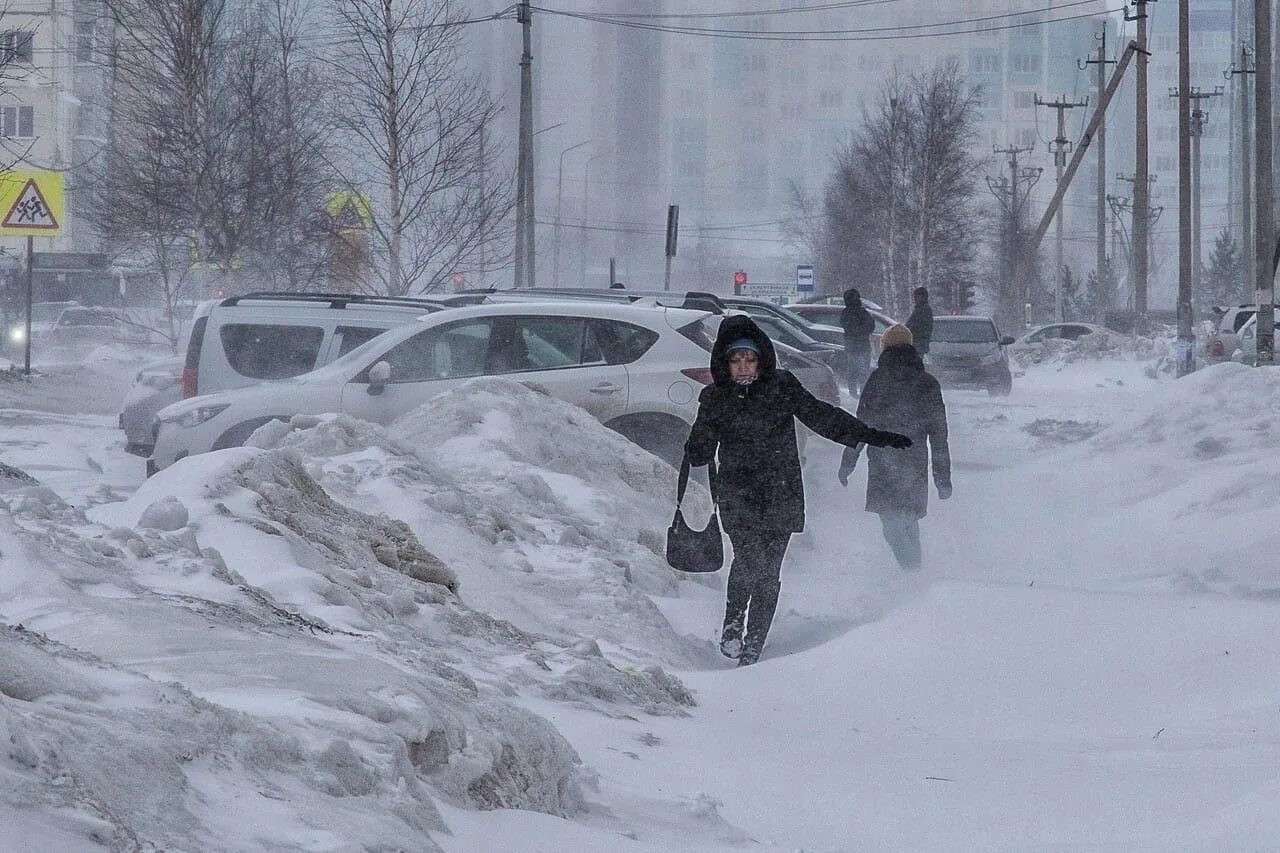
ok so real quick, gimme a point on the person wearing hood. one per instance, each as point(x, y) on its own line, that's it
point(746, 423)
point(901, 395)
point(921, 321)
point(858, 326)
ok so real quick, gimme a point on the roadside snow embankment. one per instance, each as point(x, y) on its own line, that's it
point(334, 630)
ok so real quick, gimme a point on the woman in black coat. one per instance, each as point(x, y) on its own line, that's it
point(747, 418)
point(858, 324)
point(900, 395)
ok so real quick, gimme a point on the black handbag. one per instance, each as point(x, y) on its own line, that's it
point(689, 550)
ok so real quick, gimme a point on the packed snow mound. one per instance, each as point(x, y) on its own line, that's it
point(550, 520)
point(1221, 409)
point(304, 659)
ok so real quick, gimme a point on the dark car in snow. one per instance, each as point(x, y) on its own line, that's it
point(970, 352)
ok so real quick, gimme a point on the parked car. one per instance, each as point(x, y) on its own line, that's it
point(157, 385)
point(970, 352)
point(1065, 332)
point(1224, 341)
point(636, 368)
point(757, 308)
point(43, 316)
point(1247, 342)
point(828, 314)
point(260, 337)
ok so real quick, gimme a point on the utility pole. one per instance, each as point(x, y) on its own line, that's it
point(1198, 119)
point(1101, 261)
point(524, 259)
point(1265, 230)
point(1242, 73)
point(1012, 193)
point(1184, 359)
point(1141, 199)
point(1060, 146)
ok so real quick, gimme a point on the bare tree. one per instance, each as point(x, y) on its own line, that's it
point(899, 203)
point(416, 127)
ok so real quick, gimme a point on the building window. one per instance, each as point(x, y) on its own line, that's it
point(1024, 63)
point(84, 41)
point(985, 63)
point(830, 99)
point(15, 46)
point(1024, 100)
point(18, 122)
point(1027, 137)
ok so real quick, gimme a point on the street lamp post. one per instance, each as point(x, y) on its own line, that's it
point(586, 208)
point(555, 264)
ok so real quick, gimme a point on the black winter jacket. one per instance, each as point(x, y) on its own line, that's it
point(759, 486)
point(857, 323)
point(921, 325)
point(901, 396)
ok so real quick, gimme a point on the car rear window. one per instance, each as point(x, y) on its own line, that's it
point(700, 334)
point(624, 343)
point(1242, 317)
point(271, 351)
point(350, 337)
point(964, 331)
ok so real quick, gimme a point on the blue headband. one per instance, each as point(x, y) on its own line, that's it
point(744, 343)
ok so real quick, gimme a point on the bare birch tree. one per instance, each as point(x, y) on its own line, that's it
point(415, 123)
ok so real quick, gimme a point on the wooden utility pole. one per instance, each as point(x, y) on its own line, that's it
point(1265, 231)
point(1141, 199)
point(1185, 360)
point(1060, 146)
point(1241, 73)
point(524, 259)
point(1101, 212)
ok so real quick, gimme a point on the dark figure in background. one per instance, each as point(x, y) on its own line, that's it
point(747, 418)
point(921, 321)
point(900, 395)
point(858, 326)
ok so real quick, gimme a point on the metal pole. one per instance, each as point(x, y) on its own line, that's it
point(555, 264)
point(1141, 189)
point(586, 213)
point(1264, 231)
point(1184, 350)
point(523, 145)
point(1246, 172)
point(26, 338)
point(1101, 212)
point(526, 141)
point(1197, 131)
point(1060, 161)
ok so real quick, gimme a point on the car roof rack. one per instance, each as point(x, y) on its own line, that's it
point(695, 300)
point(337, 300)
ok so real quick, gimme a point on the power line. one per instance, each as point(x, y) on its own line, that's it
point(758, 13)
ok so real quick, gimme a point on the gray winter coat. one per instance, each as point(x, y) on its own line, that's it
point(902, 397)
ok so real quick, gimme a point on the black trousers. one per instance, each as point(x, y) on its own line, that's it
point(754, 585)
point(858, 363)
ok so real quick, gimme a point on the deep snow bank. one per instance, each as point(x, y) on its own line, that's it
point(550, 520)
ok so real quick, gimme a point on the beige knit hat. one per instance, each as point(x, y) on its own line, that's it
point(895, 336)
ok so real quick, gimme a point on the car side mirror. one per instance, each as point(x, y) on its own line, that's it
point(1006, 340)
point(379, 376)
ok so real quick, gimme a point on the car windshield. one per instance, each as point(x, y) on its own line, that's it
point(964, 331)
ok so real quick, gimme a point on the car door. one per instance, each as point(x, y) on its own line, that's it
point(422, 366)
point(565, 356)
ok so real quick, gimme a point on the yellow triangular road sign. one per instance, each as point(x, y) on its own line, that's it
point(31, 210)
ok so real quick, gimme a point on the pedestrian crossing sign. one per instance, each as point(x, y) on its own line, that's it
point(32, 203)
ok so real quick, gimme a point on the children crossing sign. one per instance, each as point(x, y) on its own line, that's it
point(32, 204)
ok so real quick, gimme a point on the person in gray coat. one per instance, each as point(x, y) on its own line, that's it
point(902, 397)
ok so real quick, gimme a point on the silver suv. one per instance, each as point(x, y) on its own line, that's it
point(636, 368)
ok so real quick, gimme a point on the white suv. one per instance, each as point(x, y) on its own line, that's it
point(637, 369)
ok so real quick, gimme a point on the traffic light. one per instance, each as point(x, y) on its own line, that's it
point(739, 279)
point(966, 297)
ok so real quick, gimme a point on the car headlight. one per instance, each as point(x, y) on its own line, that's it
point(17, 334)
point(988, 360)
point(195, 417)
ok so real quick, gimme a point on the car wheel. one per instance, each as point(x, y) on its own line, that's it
point(239, 434)
point(1003, 386)
point(662, 435)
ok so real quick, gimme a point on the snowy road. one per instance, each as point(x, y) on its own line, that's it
point(1087, 661)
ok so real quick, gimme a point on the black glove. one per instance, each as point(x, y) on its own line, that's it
point(944, 491)
point(846, 468)
point(894, 440)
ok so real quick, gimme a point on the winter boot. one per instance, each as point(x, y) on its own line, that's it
point(750, 654)
point(731, 639)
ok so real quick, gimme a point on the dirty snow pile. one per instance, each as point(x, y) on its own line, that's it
point(327, 643)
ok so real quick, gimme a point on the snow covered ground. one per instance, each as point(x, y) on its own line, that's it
point(459, 633)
